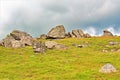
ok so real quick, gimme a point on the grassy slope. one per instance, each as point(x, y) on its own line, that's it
point(72, 64)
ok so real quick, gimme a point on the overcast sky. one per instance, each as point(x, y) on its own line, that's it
point(39, 16)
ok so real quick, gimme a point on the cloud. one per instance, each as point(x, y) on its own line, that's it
point(39, 16)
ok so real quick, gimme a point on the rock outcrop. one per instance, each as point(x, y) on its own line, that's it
point(57, 32)
point(17, 39)
point(107, 33)
point(79, 34)
point(108, 68)
point(39, 47)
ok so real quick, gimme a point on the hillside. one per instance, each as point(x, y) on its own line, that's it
point(71, 64)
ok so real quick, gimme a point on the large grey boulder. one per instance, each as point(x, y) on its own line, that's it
point(78, 33)
point(22, 36)
point(17, 44)
point(107, 33)
point(57, 32)
point(108, 68)
point(17, 39)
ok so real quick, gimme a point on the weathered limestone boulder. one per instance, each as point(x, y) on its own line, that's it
point(22, 36)
point(7, 41)
point(71, 35)
point(39, 47)
point(17, 44)
point(57, 33)
point(78, 33)
point(43, 36)
point(107, 33)
point(50, 44)
point(108, 68)
point(16, 39)
point(67, 35)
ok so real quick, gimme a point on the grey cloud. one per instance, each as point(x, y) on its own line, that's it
point(38, 16)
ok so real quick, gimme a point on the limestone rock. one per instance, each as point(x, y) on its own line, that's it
point(78, 33)
point(71, 34)
point(107, 33)
point(22, 36)
point(17, 44)
point(50, 44)
point(7, 41)
point(108, 68)
point(39, 47)
point(57, 32)
point(17, 39)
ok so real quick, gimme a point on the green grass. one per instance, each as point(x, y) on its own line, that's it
point(71, 64)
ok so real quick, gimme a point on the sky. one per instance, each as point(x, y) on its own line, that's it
point(38, 16)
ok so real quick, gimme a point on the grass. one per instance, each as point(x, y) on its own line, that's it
point(71, 64)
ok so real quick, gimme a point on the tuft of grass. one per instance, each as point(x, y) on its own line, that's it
point(71, 64)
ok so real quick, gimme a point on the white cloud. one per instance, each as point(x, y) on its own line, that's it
point(40, 15)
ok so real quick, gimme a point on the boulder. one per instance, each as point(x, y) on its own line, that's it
point(50, 44)
point(39, 47)
point(17, 44)
point(7, 41)
point(76, 33)
point(67, 35)
point(17, 39)
point(79, 34)
point(108, 68)
point(43, 36)
point(22, 36)
point(71, 34)
point(57, 32)
point(107, 33)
